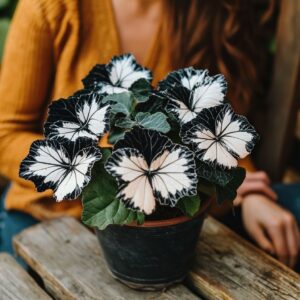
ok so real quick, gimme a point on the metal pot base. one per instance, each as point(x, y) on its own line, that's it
point(147, 287)
point(154, 256)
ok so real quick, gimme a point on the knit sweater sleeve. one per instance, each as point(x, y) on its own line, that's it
point(25, 81)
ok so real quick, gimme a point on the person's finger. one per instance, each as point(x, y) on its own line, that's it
point(297, 234)
point(292, 239)
point(257, 187)
point(277, 234)
point(238, 200)
point(260, 175)
point(297, 231)
point(262, 240)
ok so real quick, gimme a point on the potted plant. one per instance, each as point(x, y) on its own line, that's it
point(171, 149)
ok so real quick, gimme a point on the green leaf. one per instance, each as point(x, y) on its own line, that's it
point(214, 175)
point(122, 103)
point(140, 218)
point(157, 121)
point(4, 3)
point(206, 187)
point(4, 25)
point(126, 123)
point(100, 206)
point(106, 153)
point(189, 205)
point(152, 105)
point(228, 192)
point(10, 9)
point(221, 184)
point(115, 135)
point(141, 89)
point(7, 8)
point(272, 45)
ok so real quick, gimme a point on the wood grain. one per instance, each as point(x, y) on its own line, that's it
point(16, 284)
point(229, 267)
point(284, 94)
point(67, 256)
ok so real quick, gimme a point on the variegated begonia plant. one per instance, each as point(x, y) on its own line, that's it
point(169, 146)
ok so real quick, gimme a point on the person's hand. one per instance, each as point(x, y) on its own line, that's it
point(255, 182)
point(274, 229)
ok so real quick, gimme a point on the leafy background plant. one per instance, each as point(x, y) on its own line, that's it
point(7, 8)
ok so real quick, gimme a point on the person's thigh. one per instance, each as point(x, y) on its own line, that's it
point(11, 223)
point(289, 198)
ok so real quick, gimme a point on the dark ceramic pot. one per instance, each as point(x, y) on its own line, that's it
point(154, 255)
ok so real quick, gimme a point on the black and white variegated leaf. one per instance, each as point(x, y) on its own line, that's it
point(228, 192)
point(150, 168)
point(219, 177)
point(190, 78)
point(63, 167)
point(213, 174)
point(189, 91)
point(117, 76)
point(141, 90)
point(82, 115)
point(185, 104)
point(148, 142)
point(220, 137)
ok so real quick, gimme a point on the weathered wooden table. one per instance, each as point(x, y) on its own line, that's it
point(68, 258)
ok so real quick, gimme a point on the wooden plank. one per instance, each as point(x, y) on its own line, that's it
point(283, 98)
point(15, 283)
point(229, 267)
point(67, 256)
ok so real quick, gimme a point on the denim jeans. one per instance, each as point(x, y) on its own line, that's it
point(11, 223)
point(289, 198)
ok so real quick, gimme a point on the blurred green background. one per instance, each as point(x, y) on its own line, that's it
point(7, 8)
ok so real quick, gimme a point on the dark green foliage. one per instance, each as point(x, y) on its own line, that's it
point(189, 205)
point(100, 205)
point(7, 8)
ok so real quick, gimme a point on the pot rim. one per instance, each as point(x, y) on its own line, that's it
point(176, 220)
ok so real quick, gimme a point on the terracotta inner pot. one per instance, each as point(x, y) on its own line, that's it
point(168, 222)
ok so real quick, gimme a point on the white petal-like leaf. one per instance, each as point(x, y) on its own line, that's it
point(220, 136)
point(63, 167)
point(189, 91)
point(117, 76)
point(81, 116)
point(150, 168)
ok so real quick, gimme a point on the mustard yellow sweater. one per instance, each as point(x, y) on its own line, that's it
point(51, 46)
